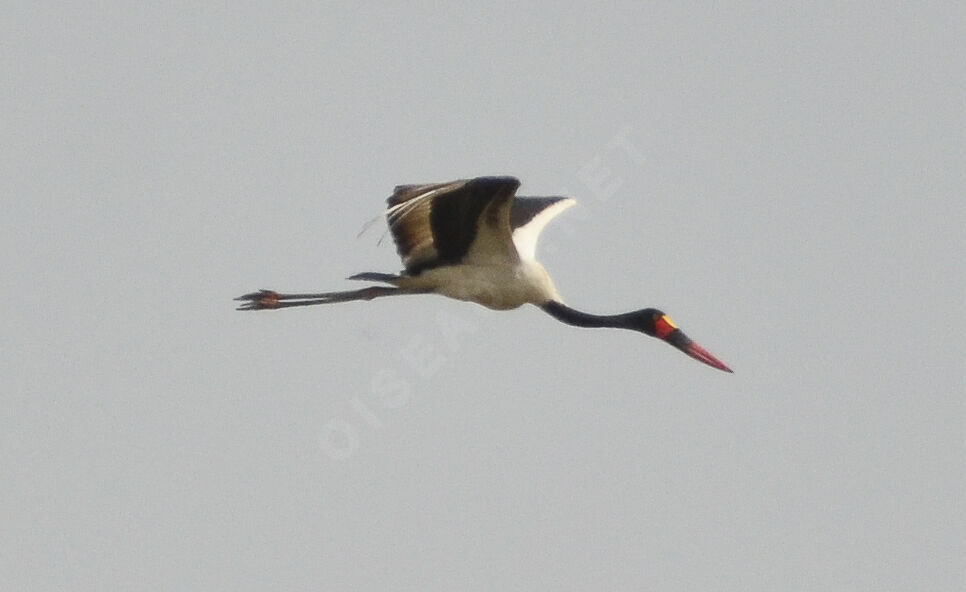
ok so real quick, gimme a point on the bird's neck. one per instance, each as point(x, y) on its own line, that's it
point(574, 317)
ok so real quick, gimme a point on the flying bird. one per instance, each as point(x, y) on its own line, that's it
point(474, 240)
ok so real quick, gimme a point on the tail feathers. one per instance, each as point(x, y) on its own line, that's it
point(373, 276)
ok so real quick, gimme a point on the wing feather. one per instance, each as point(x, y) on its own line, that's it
point(443, 223)
point(530, 216)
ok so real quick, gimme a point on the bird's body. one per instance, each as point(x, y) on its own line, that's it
point(496, 285)
point(473, 240)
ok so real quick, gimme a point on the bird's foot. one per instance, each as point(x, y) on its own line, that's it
point(261, 300)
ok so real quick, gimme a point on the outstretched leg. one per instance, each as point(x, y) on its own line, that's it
point(268, 299)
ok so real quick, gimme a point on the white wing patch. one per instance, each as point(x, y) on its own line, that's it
point(525, 237)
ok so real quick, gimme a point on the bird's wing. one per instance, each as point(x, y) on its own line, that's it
point(445, 223)
point(529, 216)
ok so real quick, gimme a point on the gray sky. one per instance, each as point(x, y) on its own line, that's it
point(788, 184)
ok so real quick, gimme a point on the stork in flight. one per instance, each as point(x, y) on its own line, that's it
point(472, 240)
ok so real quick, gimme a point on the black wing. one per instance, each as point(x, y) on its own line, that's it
point(437, 224)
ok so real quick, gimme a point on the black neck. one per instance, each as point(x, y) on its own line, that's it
point(568, 315)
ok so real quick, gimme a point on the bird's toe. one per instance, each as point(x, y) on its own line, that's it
point(259, 300)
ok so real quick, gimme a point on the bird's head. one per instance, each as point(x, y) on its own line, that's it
point(655, 323)
point(649, 321)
